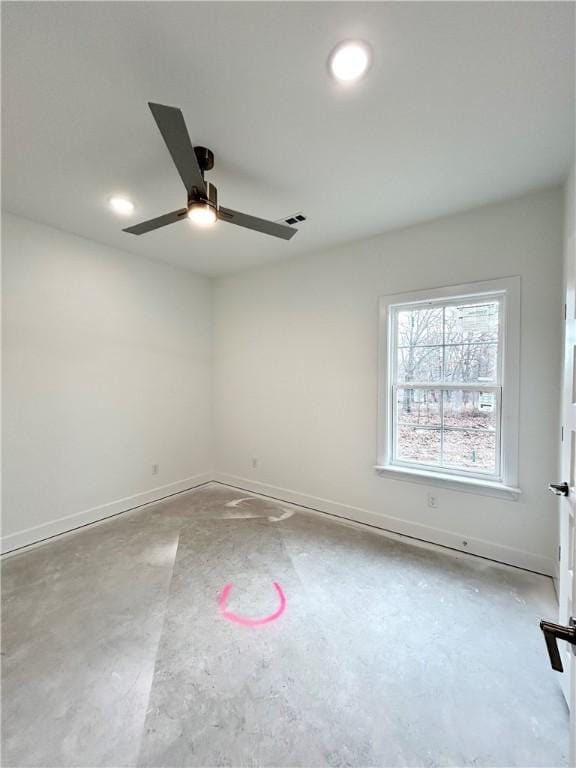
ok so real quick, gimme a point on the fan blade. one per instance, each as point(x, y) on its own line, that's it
point(170, 121)
point(160, 221)
point(259, 225)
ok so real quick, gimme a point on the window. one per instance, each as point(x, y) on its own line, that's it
point(449, 385)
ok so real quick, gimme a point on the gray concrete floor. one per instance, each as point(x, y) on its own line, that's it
point(387, 654)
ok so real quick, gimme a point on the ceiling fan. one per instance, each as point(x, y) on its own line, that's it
point(191, 163)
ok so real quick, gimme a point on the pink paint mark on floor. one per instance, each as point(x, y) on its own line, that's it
point(244, 620)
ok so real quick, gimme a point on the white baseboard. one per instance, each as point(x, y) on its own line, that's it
point(397, 527)
point(388, 525)
point(85, 517)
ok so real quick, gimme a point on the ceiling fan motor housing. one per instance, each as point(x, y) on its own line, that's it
point(210, 198)
point(205, 159)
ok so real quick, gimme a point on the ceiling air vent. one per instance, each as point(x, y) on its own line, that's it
point(296, 218)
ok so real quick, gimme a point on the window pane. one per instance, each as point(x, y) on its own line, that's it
point(440, 345)
point(471, 450)
point(472, 322)
point(471, 363)
point(418, 406)
point(419, 365)
point(470, 410)
point(418, 445)
point(420, 327)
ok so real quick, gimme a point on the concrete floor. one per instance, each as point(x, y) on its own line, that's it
point(387, 654)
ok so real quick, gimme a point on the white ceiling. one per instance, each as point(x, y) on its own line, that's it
point(465, 103)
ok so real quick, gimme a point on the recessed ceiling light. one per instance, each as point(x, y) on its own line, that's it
point(349, 61)
point(121, 205)
point(202, 214)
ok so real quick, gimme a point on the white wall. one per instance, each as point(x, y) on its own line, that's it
point(106, 372)
point(296, 375)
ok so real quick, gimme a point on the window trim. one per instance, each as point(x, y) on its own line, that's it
point(508, 380)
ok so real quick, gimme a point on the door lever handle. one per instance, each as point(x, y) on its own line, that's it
point(552, 633)
point(559, 489)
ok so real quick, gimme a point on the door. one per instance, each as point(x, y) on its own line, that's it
point(561, 637)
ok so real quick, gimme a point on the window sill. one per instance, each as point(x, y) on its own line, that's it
point(452, 482)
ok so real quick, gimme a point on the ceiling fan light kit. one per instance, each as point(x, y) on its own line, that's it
point(202, 196)
point(202, 214)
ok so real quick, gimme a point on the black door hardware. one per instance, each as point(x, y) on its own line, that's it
point(552, 633)
point(560, 489)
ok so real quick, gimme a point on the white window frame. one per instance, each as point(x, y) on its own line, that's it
point(505, 484)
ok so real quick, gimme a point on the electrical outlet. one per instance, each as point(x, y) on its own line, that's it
point(432, 501)
point(155, 469)
point(254, 462)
